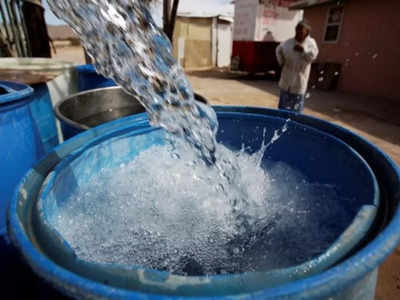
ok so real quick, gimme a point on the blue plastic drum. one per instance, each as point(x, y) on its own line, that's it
point(20, 144)
point(20, 149)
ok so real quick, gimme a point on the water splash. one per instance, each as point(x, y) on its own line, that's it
point(127, 46)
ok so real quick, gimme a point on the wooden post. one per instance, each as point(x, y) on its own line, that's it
point(37, 29)
point(167, 9)
point(169, 17)
point(172, 18)
point(4, 48)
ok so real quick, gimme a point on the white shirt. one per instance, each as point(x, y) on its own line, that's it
point(296, 66)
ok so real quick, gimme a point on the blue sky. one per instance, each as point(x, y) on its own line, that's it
point(53, 20)
point(50, 17)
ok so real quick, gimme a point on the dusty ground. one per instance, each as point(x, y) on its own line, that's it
point(375, 119)
point(69, 53)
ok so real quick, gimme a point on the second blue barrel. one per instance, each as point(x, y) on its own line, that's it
point(20, 148)
point(89, 79)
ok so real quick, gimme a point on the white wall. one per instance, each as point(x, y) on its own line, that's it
point(264, 22)
point(276, 23)
point(246, 12)
point(224, 52)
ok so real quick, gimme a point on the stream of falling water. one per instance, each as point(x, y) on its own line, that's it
point(127, 46)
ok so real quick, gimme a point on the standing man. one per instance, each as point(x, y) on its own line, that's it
point(295, 57)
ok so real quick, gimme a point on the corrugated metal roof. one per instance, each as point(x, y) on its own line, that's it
point(206, 8)
point(223, 9)
point(309, 3)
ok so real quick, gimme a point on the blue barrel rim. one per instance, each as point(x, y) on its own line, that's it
point(356, 230)
point(16, 91)
point(320, 284)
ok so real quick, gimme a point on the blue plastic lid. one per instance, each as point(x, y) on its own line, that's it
point(12, 91)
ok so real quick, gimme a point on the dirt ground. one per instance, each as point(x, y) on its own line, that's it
point(375, 119)
point(69, 53)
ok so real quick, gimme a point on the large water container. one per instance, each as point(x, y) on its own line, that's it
point(324, 152)
point(20, 149)
point(87, 109)
point(20, 145)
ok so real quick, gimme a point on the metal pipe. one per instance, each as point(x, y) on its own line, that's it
point(13, 28)
point(19, 26)
point(25, 29)
point(3, 16)
point(172, 18)
point(17, 29)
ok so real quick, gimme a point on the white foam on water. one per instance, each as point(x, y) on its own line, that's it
point(169, 213)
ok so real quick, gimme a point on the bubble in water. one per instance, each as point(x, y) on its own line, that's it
point(172, 211)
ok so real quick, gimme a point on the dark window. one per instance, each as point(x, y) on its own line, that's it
point(333, 24)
